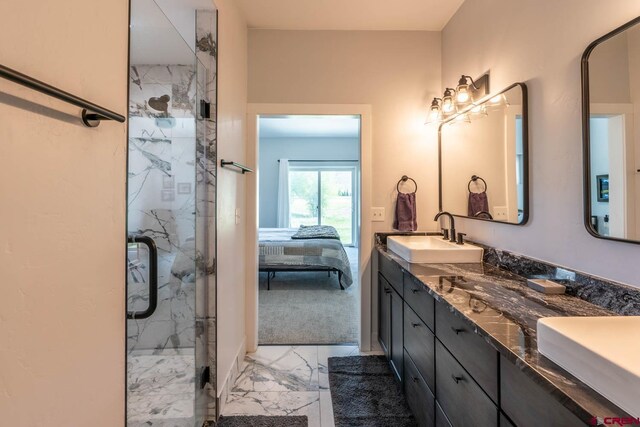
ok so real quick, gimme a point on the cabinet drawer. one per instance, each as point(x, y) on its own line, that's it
point(419, 343)
point(471, 350)
point(418, 298)
point(420, 399)
point(528, 404)
point(461, 399)
point(441, 418)
point(391, 271)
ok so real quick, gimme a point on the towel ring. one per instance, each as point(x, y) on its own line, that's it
point(405, 178)
point(475, 178)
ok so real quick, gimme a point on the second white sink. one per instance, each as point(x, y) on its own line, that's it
point(603, 352)
point(433, 250)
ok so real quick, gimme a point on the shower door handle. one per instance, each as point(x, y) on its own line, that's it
point(153, 277)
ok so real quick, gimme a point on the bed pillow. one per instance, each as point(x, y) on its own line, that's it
point(316, 232)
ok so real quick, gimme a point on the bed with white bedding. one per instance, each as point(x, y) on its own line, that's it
point(279, 252)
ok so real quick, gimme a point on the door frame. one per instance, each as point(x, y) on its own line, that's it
point(625, 110)
point(365, 235)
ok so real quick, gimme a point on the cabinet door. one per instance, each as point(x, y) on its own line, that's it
point(419, 397)
point(397, 321)
point(529, 404)
point(384, 314)
point(462, 400)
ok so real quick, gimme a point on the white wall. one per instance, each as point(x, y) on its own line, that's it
point(397, 72)
point(62, 228)
point(272, 149)
point(232, 108)
point(541, 44)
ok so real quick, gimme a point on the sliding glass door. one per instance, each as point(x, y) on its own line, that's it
point(324, 195)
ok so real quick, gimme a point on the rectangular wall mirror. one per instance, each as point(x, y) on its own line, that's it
point(610, 95)
point(483, 159)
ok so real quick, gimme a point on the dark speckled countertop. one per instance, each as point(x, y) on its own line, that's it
point(502, 309)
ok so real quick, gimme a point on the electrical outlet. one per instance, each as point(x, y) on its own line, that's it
point(377, 214)
point(500, 213)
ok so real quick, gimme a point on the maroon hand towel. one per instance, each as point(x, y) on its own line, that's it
point(405, 219)
point(478, 202)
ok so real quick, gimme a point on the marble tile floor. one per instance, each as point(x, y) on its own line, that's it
point(161, 388)
point(287, 380)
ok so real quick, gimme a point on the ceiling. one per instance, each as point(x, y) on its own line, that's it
point(309, 126)
point(423, 15)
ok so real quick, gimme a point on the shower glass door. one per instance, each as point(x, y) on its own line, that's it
point(169, 260)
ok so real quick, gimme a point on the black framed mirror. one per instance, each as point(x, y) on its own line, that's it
point(611, 135)
point(483, 159)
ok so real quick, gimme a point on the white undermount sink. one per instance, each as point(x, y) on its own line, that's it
point(433, 250)
point(603, 352)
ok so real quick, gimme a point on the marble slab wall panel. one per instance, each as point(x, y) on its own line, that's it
point(161, 201)
point(619, 298)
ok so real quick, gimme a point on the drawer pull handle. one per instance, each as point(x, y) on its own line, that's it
point(457, 330)
point(415, 325)
point(457, 379)
point(387, 290)
point(415, 291)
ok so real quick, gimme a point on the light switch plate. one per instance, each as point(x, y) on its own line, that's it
point(377, 214)
point(237, 216)
point(500, 213)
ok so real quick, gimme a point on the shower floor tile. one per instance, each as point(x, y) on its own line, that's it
point(160, 389)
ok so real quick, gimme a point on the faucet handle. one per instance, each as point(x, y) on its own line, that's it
point(445, 234)
point(460, 238)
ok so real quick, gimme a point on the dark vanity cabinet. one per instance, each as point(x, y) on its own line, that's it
point(390, 319)
point(453, 377)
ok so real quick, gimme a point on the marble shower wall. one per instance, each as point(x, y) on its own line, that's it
point(162, 202)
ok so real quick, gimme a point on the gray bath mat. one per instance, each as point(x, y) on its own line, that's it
point(263, 421)
point(364, 393)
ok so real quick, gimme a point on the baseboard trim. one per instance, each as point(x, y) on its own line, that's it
point(231, 376)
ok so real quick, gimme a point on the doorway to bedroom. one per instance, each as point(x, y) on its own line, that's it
point(309, 210)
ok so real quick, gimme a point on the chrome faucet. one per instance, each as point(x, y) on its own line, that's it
point(452, 226)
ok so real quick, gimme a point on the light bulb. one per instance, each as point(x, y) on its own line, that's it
point(447, 104)
point(463, 94)
point(496, 99)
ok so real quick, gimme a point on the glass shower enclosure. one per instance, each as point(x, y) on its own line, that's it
point(171, 215)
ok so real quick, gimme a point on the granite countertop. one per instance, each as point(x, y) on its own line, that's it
point(502, 309)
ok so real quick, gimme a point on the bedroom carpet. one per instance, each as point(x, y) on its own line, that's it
point(364, 393)
point(308, 308)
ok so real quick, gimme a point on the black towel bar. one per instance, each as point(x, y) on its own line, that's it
point(92, 114)
point(405, 178)
point(242, 168)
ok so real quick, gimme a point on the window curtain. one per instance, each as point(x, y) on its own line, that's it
point(283, 194)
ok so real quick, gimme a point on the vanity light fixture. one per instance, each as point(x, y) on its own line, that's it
point(478, 110)
point(460, 100)
point(463, 91)
point(435, 113)
point(462, 118)
point(448, 104)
